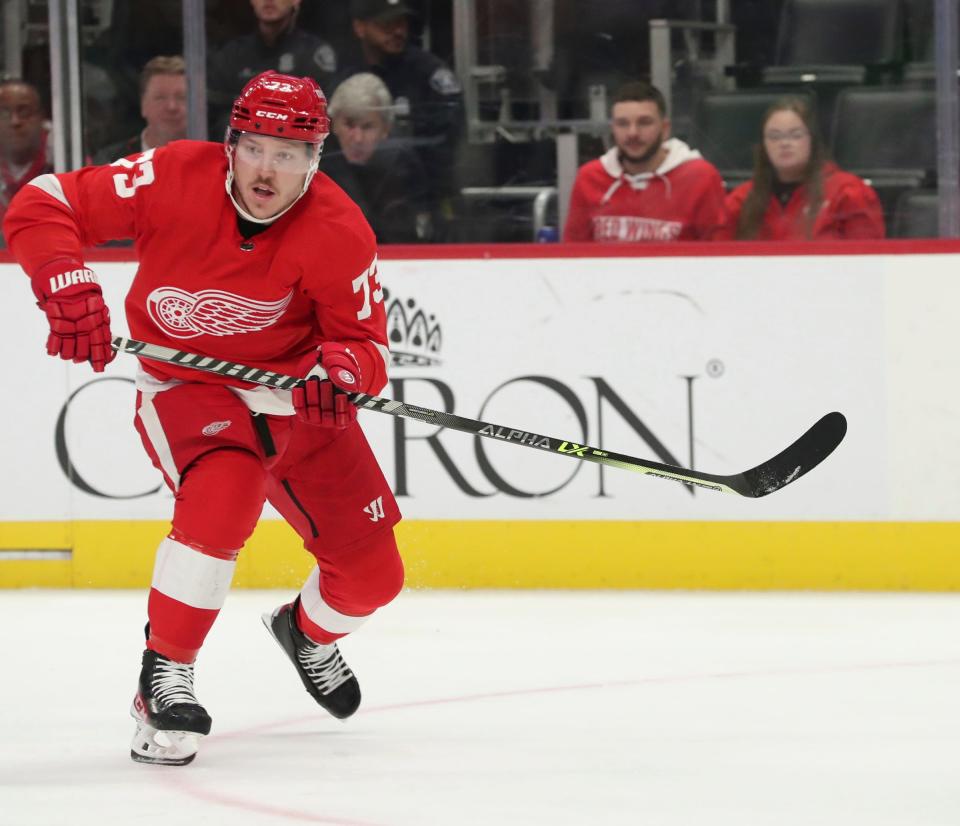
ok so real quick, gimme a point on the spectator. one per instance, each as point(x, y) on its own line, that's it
point(648, 186)
point(278, 43)
point(420, 83)
point(387, 182)
point(163, 105)
point(796, 193)
point(24, 148)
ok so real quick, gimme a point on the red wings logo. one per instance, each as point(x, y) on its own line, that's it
point(182, 314)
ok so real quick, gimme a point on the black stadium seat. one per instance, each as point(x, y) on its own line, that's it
point(886, 132)
point(836, 41)
point(921, 40)
point(917, 215)
point(888, 136)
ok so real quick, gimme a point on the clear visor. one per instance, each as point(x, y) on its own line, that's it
point(264, 152)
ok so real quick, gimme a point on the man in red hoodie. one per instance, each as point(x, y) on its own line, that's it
point(649, 186)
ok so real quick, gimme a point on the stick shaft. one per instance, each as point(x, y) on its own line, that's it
point(804, 454)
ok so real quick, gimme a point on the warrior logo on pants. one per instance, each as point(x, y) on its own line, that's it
point(375, 509)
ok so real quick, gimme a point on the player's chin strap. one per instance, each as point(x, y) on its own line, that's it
point(230, 147)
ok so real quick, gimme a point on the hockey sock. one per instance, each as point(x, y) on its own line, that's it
point(189, 588)
point(318, 619)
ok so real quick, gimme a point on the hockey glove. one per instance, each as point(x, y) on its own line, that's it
point(325, 402)
point(78, 318)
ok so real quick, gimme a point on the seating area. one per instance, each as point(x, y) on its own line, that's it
point(538, 80)
point(866, 66)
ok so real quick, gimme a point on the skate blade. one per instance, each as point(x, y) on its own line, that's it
point(267, 620)
point(163, 748)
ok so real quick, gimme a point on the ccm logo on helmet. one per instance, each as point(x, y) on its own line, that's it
point(270, 115)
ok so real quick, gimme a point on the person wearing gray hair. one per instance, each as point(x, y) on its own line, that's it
point(363, 92)
point(433, 115)
point(387, 180)
point(362, 113)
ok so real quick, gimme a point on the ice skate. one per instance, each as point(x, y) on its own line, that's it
point(325, 675)
point(170, 721)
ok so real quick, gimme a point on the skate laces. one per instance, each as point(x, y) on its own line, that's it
point(324, 665)
point(172, 682)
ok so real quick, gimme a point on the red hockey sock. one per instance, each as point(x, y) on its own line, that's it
point(189, 589)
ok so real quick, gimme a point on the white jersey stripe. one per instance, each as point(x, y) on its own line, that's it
point(322, 614)
point(158, 439)
point(50, 184)
point(192, 577)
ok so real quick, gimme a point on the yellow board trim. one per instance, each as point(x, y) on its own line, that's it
point(910, 556)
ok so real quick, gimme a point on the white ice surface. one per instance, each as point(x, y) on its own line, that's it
point(665, 709)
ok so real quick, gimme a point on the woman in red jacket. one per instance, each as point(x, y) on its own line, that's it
point(796, 194)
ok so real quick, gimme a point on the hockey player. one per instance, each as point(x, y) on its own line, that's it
point(648, 186)
point(250, 255)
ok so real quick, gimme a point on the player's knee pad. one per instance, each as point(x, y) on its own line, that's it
point(220, 499)
point(363, 577)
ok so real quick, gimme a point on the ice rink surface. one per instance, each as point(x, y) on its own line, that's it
point(661, 709)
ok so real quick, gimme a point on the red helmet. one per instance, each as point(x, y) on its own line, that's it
point(282, 106)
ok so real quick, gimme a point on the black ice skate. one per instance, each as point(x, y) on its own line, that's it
point(325, 675)
point(170, 721)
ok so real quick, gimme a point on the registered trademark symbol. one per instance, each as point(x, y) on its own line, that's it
point(715, 368)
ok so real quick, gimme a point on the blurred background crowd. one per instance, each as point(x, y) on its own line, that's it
point(520, 120)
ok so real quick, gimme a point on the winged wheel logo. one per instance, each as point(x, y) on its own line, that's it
point(182, 314)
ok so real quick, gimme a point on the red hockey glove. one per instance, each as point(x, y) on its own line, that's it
point(325, 402)
point(79, 320)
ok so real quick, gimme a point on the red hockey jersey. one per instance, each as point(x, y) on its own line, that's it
point(200, 286)
point(681, 200)
point(850, 209)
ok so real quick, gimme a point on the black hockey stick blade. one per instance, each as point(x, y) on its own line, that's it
point(801, 457)
point(790, 464)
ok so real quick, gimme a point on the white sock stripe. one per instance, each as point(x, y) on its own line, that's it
point(322, 614)
point(191, 577)
point(158, 439)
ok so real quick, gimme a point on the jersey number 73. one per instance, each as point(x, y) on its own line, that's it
point(140, 173)
point(362, 284)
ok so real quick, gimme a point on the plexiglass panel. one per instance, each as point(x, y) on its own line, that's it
point(599, 120)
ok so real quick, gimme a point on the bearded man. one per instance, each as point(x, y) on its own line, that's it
point(648, 186)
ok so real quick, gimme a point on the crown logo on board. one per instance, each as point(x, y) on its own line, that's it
point(415, 338)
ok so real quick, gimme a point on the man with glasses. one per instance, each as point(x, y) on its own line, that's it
point(24, 145)
point(246, 254)
point(648, 186)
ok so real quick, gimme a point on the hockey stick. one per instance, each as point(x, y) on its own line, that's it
point(799, 458)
